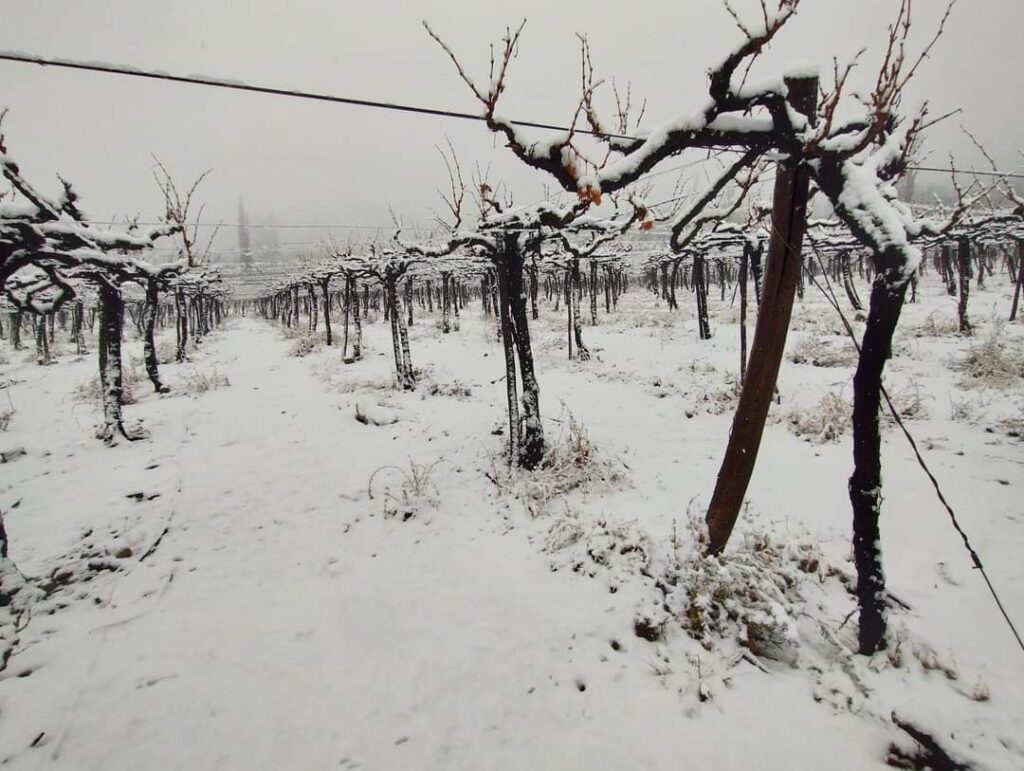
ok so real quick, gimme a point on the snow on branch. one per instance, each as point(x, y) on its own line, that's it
point(691, 222)
point(179, 213)
point(738, 117)
point(52, 235)
point(1003, 183)
point(855, 160)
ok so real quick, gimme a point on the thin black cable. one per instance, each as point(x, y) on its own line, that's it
point(202, 80)
point(285, 226)
point(834, 302)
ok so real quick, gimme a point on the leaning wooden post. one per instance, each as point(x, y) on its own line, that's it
point(781, 273)
point(1017, 289)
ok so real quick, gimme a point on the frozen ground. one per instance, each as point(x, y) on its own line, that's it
point(288, 620)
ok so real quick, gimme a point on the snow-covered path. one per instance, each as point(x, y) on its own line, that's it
point(283, 622)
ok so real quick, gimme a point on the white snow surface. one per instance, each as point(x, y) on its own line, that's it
point(285, 621)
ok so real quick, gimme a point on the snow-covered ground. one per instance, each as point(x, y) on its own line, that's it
point(287, 619)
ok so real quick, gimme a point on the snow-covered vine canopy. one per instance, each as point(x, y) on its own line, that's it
point(855, 147)
point(47, 242)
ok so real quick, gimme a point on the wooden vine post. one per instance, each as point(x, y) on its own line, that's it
point(781, 274)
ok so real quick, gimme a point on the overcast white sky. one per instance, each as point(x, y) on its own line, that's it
point(312, 162)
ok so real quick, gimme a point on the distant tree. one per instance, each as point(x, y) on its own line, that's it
point(244, 244)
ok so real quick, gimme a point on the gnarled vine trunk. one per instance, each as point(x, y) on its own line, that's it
point(77, 326)
point(42, 342)
point(152, 307)
point(181, 311)
point(357, 324)
point(446, 324)
point(399, 335)
point(865, 485)
point(111, 372)
point(700, 288)
point(575, 289)
point(593, 292)
point(1019, 286)
point(325, 288)
point(848, 285)
point(16, 330)
point(531, 450)
point(508, 349)
point(963, 267)
point(348, 300)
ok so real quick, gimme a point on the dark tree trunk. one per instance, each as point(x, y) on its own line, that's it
point(181, 309)
point(567, 291)
point(408, 298)
point(357, 332)
point(700, 288)
point(755, 271)
point(582, 352)
point(150, 311)
point(446, 324)
point(325, 288)
point(344, 333)
point(204, 313)
point(1019, 287)
point(673, 282)
point(532, 449)
point(963, 264)
point(403, 340)
point(311, 306)
point(111, 329)
point(947, 271)
point(456, 291)
point(42, 342)
point(504, 313)
point(16, 330)
point(865, 484)
point(399, 335)
point(485, 292)
point(533, 287)
point(77, 326)
point(495, 295)
point(851, 290)
point(593, 292)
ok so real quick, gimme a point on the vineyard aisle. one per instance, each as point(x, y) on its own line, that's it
point(285, 620)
